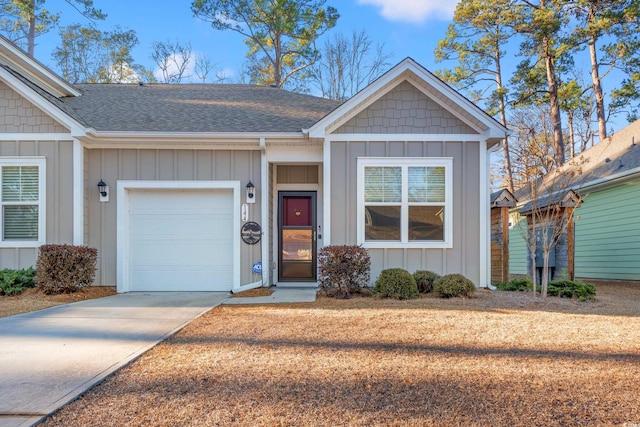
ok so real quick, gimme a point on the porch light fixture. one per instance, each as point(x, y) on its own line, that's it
point(103, 189)
point(251, 192)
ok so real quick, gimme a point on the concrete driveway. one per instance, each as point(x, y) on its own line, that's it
point(49, 357)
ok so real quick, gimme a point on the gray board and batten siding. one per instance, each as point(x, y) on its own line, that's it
point(162, 165)
point(397, 112)
point(18, 115)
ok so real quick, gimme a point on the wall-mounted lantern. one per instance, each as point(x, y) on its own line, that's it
point(104, 191)
point(251, 192)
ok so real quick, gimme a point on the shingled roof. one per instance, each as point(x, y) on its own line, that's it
point(615, 157)
point(195, 108)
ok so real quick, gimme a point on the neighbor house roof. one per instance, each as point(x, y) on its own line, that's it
point(612, 159)
point(195, 108)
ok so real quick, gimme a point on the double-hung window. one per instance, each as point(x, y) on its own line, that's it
point(405, 202)
point(22, 201)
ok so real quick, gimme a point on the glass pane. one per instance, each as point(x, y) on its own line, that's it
point(297, 245)
point(20, 223)
point(382, 223)
point(426, 223)
point(382, 184)
point(426, 184)
point(19, 183)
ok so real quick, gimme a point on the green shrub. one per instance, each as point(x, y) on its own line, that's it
point(424, 280)
point(454, 285)
point(396, 283)
point(515, 285)
point(65, 268)
point(15, 281)
point(572, 289)
point(343, 270)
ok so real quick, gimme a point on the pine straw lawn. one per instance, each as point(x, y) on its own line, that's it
point(33, 299)
point(499, 359)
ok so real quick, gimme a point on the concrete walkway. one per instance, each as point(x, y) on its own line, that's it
point(49, 357)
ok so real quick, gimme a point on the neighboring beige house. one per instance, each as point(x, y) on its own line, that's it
point(196, 174)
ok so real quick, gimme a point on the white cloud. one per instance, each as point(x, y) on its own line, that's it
point(413, 10)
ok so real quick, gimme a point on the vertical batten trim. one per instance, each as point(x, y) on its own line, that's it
point(264, 212)
point(78, 193)
point(485, 225)
point(326, 191)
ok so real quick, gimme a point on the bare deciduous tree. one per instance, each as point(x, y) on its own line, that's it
point(348, 64)
point(172, 59)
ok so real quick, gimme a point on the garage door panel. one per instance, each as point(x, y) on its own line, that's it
point(188, 226)
point(181, 240)
point(150, 252)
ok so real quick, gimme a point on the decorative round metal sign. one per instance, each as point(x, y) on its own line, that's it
point(251, 233)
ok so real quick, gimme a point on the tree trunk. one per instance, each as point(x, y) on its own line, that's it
point(597, 89)
point(31, 37)
point(556, 119)
point(572, 142)
point(545, 271)
point(503, 120)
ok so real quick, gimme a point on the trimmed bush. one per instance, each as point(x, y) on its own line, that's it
point(396, 283)
point(343, 270)
point(65, 268)
point(569, 289)
point(516, 285)
point(13, 282)
point(424, 280)
point(454, 285)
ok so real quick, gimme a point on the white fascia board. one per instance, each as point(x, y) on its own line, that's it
point(45, 106)
point(419, 137)
point(602, 183)
point(292, 154)
point(185, 140)
point(35, 70)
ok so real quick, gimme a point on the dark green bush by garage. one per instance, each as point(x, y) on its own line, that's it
point(425, 280)
point(454, 285)
point(65, 268)
point(396, 283)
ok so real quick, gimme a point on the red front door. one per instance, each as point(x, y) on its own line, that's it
point(297, 236)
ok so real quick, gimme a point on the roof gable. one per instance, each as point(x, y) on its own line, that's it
point(24, 116)
point(18, 60)
point(405, 109)
point(502, 198)
point(435, 89)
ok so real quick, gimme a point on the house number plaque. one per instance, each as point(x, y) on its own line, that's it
point(251, 233)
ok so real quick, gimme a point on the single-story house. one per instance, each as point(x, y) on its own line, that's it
point(606, 231)
point(228, 187)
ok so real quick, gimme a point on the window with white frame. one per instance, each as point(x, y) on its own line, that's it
point(404, 202)
point(22, 200)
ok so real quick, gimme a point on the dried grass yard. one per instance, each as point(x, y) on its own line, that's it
point(499, 359)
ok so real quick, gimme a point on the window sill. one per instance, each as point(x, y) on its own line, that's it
point(20, 244)
point(407, 245)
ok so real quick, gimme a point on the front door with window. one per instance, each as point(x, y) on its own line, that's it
point(297, 236)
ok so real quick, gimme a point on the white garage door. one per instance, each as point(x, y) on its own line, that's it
point(181, 240)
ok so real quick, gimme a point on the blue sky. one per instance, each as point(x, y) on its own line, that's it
point(406, 27)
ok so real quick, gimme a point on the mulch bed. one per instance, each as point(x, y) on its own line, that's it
point(499, 359)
